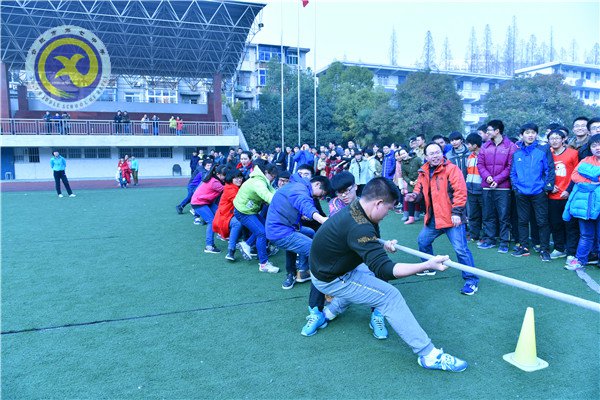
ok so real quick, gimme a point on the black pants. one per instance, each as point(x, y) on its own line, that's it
point(58, 176)
point(564, 233)
point(539, 203)
point(496, 215)
point(475, 213)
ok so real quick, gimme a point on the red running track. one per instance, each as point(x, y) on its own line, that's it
point(29, 186)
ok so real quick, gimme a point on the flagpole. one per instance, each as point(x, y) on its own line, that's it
point(315, 73)
point(281, 62)
point(298, 54)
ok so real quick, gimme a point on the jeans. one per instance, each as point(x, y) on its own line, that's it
point(61, 175)
point(496, 215)
point(207, 212)
point(590, 229)
point(256, 224)
point(361, 286)
point(235, 231)
point(297, 242)
point(458, 240)
point(191, 189)
point(475, 208)
point(564, 233)
point(539, 203)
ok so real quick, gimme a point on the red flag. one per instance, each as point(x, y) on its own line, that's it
point(304, 3)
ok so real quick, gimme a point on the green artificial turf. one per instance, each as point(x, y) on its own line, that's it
point(137, 310)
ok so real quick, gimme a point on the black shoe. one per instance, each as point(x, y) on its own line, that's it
point(289, 281)
point(544, 256)
point(211, 249)
point(179, 209)
point(592, 259)
point(520, 252)
point(230, 255)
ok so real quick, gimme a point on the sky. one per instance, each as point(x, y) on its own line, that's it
point(360, 31)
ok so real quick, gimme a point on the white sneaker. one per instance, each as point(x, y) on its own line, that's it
point(244, 248)
point(573, 265)
point(268, 267)
point(557, 254)
point(569, 259)
point(427, 272)
point(72, 195)
point(60, 195)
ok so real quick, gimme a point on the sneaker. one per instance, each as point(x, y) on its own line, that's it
point(72, 195)
point(469, 289)
point(253, 252)
point(520, 252)
point(60, 195)
point(480, 242)
point(315, 320)
point(486, 245)
point(573, 265)
point(557, 254)
point(302, 276)
point(289, 281)
point(377, 324)
point(192, 211)
point(593, 259)
point(427, 272)
point(437, 359)
point(569, 259)
point(272, 250)
point(179, 209)
point(244, 248)
point(230, 255)
point(537, 248)
point(212, 249)
point(220, 238)
point(503, 248)
point(544, 256)
point(197, 221)
point(268, 267)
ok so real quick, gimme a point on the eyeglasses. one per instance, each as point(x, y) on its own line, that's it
point(555, 139)
point(347, 191)
point(435, 153)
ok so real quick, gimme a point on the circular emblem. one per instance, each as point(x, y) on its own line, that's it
point(70, 67)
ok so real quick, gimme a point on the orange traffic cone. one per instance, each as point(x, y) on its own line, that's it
point(525, 355)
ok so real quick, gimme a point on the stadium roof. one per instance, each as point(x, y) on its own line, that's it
point(184, 39)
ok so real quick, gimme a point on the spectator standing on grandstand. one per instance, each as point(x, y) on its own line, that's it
point(458, 153)
point(58, 165)
point(532, 178)
point(359, 168)
point(443, 187)
point(135, 167)
point(474, 190)
point(565, 234)
point(179, 126)
point(118, 120)
point(144, 124)
point(224, 223)
point(172, 125)
point(584, 203)
point(194, 160)
point(389, 163)
point(155, 125)
point(205, 202)
point(66, 125)
point(48, 119)
point(126, 123)
point(58, 123)
point(494, 163)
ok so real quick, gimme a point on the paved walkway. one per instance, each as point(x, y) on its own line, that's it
point(26, 186)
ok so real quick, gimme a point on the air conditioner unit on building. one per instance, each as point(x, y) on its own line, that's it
point(248, 89)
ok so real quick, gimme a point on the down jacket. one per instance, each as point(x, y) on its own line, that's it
point(584, 200)
point(448, 189)
point(225, 210)
point(496, 161)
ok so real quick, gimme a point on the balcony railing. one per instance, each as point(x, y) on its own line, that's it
point(102, 127)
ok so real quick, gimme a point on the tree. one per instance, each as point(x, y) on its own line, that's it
point(427, 103)
point(428, 57)
point(541, 99)
point(393, 48)
point(473, 53)
point(509, 53)
point(488, 53)
point(594, 55)
point(446, 55)
point(573, 51)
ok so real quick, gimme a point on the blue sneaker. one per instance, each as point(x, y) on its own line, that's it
point(469, 289)
point(437, 359)
point(377, 324)
point(486, 245)
point(503, 248)
point(315, 320)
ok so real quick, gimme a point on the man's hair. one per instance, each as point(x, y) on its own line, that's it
point(323, 181)
point(207, 161)
point(420, 135)
point(564, 129)
point(592, 121)
point(267, 168)
point(557, 132)
point(284, 175)
point(436, 137)
point(232, 174)
point(433, 144)
point(581, 118)
point(342, 181)
point(528, 126)
point(482, 128)
point(308, 167)
point(455, 136)
point(496, 124)
point(553, 126)
point(369, 153)
point(248, 153)
point(595, 139)
point(474, 139)
point(381, 189)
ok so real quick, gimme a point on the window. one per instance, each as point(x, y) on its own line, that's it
point(134, 97)
point(109, 94)
point(162, 96)
point(90, 152)
point(586, 94)
point(292, 59)
point(460, 85)
point(475, 86)
point(187, 152)
point(27, 155)
point(103, 152)
point(588, 75)
point(382, 80)
point(124, 151)
point(74, 152)
point(153, 152)
point(138, 152)
point(262, 77)
point(166, 152)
